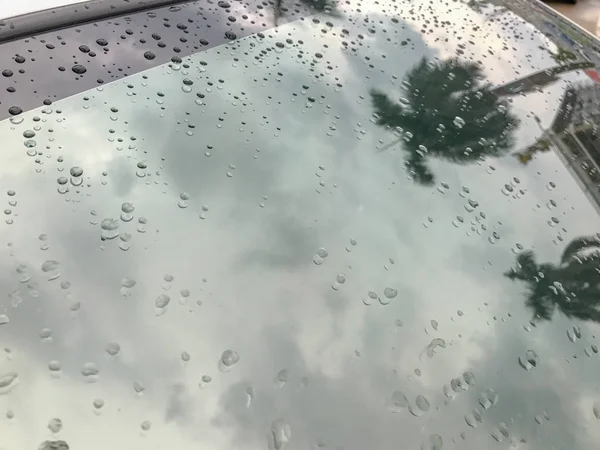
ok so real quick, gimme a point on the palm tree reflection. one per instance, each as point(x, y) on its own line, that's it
point(447, 112)
point(572, 286)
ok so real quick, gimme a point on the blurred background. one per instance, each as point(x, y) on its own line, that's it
point(584, 12)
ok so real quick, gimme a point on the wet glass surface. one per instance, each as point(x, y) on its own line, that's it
point(371, 228)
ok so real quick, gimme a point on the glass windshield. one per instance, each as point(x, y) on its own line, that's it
point(373, 227)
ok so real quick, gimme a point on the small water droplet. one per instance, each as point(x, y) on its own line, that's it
point(596, 409)
point(249, 396)
point(282, 378)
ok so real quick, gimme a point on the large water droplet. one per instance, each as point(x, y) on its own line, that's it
point(52, 269)
point(53, 445)
point(90, 371)
point(229, 358)
point(281, 434)
point(8, 381)
point(110, 228)
point(126, 209)
point(435, 442)
point(459, 122)
point(398, 402)
point(55, 425)
point(162, 301)
point(79, 69)
point(422, 403)
point(282, 378)
point(113, 348)
point(529, 360)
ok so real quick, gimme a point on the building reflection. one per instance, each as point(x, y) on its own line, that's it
point(573, 134)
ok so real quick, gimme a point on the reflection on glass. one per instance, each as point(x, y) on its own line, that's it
point(446, 113)
point(572, 286)
point(573, 133)
point(280, 8)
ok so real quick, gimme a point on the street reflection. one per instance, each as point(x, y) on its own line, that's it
point(573, 135)
point(446, 111)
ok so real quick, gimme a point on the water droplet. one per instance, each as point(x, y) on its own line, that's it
point(8, 381)
point(127, 282)
point(435, 442)
point(488, 398)
point(15, 110)
point(4, 319)
point(459, 122)
point(437, 342)
point(204, 381)
point(281, 434)
point(473, 418)
point(90, 371)
point(53, 445)
point(110, 228)
point(149, 55)
point(390, 293)
point(162, 301)
point(469, 378)
point(249, 396)
point(596, 409)
point(422, 403)
point(46, 333)
point(183, 200)
point(146, 425)
point(55, 425)
point(54, 366)
point(282, 378)
point(79, 69)
point(113, 348)
point(500, 432)
point(51, 269)
point(529, 360)
point(398, 402)
point(126, 209)
point(229, 358)
point(98, 403)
